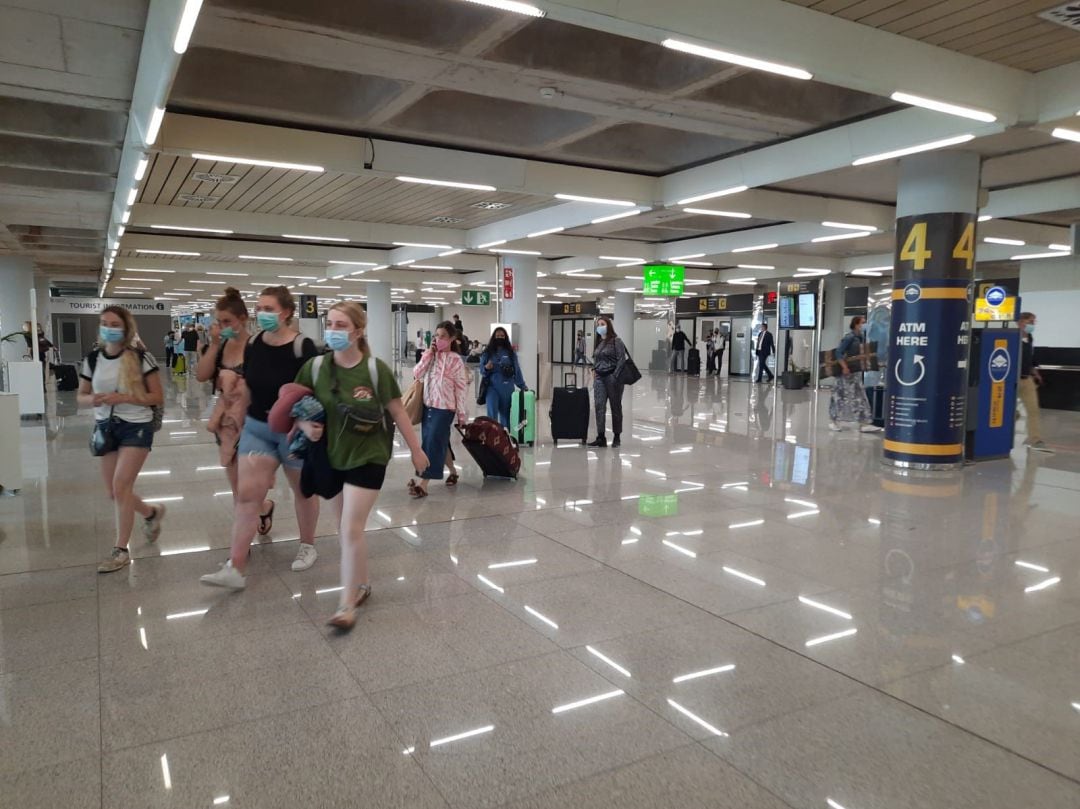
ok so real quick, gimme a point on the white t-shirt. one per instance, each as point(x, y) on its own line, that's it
point(106, 379)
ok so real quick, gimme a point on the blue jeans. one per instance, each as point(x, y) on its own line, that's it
point(498, 402)
point(435, 439)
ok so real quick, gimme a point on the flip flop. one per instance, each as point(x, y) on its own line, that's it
point(266, 521)
point(452, 480)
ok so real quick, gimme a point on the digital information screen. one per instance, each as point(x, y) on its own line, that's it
point(807, 310)
point(787, 312)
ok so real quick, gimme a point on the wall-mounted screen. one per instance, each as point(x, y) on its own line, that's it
point(807, 310)
point(787, 312)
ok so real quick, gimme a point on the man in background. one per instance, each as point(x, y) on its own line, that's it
point(763, 348)
point(679, 344)
point(1030, 379)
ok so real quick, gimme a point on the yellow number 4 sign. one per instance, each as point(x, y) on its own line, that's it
point(914, 249)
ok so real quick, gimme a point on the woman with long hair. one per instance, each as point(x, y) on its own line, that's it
point(848, 401)
point(272, 358)
point(499, 366)
point(445, 384)
point(123, 386)
point(222, 364)
point(356, 390)
point(609, 357)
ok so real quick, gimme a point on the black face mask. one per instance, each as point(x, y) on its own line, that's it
point(501, 342)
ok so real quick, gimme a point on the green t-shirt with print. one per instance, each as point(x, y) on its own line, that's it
point(348, 450)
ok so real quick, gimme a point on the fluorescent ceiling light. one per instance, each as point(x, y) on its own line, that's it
point(545, 232)
point(264, 258)
point(126, 217)
point(615, 216)
point(447, 183)
point(710, 212)
point(187, 25)
point(511, 5)
point(230, 274)
point(922, 147)
point(407, 262)
point(450, 283)
point(517, 252)
point(313, 238)
point(582, 274)
point(754, 247)
point(120, 231)
point(296, 277)
point(692, 282)
point(450, 253)
point(431, 267)
point(741, 281)
point(737, 59)
point(845, 226)
point(811, 271)
point(252, 161)
point(141, 280)
point(490, 244)
point(736, 189)
point(942, 106)
point(755, 266)
point(421, 244)
point(595, 200)
point(1010, 242)
point(869, 272)
point(985, 218)
point(1066, 134)
point(351, 264)
point(622, 258)
point(690, 255)
point(167, 253)
point(152, 129)
point(1061, 247)
point(840, 237)
point(132, 269)
point(208, 281)
point(1058, 254)
point(191, 230)
point(322, 286)
point(697, 263)
point(132, 194)
point(140, 169)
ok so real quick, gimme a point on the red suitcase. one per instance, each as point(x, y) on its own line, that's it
point(492, 448)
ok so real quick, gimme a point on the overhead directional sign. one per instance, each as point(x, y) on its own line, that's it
point(475, 297)
point(663, 279)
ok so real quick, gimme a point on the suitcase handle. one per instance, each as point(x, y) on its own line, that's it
point(567, 375)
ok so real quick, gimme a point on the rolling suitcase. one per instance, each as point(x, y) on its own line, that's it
point(569, 411)
point(494, 451)
point(523, 414)
point(876, 395)
point(67, 378)
point(693, 362)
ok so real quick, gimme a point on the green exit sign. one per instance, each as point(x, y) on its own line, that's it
point(475, 297)
point(663, 279)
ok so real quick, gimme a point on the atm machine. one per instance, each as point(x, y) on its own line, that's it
point(993, 374)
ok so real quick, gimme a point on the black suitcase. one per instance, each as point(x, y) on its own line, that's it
point(876, 395)
point(569, 411)
point(693, 362)
point(67, 378)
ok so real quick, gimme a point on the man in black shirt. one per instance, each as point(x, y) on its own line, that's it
point(191, 348)
point(1030, 378)
point(763, 348)
point(678, 349)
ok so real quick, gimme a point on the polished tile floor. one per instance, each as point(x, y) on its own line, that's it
point(736, 609)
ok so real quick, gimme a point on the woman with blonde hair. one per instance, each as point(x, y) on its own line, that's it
point(362, 402)
point(122, 384)
point(272, 358)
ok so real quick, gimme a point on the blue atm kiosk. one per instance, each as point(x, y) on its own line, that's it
point(993, 374)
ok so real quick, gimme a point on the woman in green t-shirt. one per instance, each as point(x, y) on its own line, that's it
point(356, 390)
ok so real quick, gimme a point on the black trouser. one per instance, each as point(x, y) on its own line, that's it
point(608, 389)
point(718, 361)
point(168, 357)
point(710, 363)
point(763, 365)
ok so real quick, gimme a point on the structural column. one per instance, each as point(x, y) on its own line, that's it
point(380, 326)
point(624, 318)
point(16, 281)
point(926, 378)
point(517, 276)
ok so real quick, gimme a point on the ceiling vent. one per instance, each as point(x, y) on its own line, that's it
point(491, 206)
point(1067, 14)
point(217, 179)
point(198, 199)
point(446, 220)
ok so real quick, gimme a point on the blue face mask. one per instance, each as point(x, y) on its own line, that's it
point(268, 321)
point(1029, 328)
point(110, 335)
point(228, 333)
point(337, 339)
point(601, 330)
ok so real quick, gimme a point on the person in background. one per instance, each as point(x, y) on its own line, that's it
point(44, 347)
point(609, 357)
point(475, 352)
point(459, 325)
point(579, 348)
point(445, 384)
point(272, 357)
point(420, 345)
point(848, 401)
point(168, 349)
point(710, 353)
point(499, 366)
point(358, 459)
point(679, 344)
point(191, 348)
point(1030, 379)
point(719, 344)
point(763, 348)
point(123, 386)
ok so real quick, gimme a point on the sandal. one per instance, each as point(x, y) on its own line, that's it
point(416, 491)
point(452, 479)
point(345, 618)
point(266, 521)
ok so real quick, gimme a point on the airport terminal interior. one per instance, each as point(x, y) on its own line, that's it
point(832, 559)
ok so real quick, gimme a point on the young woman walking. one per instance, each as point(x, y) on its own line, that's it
point(499, 366)
point(445, 385)
point(271, 358)
point(608, 360)
point(357, 391)
point(123, 386)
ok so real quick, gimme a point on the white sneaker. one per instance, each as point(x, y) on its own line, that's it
point(836, 428)
point(1040, 446)
point(305, 557)
point(228, 576)
point(870, 428)
point(152, 525)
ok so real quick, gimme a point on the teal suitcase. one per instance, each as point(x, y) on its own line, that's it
point(523, 416)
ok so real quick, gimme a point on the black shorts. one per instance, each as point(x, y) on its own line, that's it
point(368, 476)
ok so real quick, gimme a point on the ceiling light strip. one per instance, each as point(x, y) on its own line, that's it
point(737, 59)
point(921, 147)
point(253, 161)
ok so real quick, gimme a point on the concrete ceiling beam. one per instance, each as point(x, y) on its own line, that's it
point(1036, 198)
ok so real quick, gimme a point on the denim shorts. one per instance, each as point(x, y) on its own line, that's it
point(258, 439)
point(129, 433)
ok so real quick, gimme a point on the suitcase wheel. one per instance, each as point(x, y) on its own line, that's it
point(555, 441)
